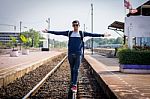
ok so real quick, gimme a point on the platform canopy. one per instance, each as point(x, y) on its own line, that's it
point(118, 26)
point(144, 10)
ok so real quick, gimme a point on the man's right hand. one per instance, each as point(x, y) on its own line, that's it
point(45, 31)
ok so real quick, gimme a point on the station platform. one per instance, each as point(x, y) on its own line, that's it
point(122, 85)
point(15, 67)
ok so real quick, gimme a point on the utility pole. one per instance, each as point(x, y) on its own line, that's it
point(92, 27)
point(20, 34)
point(48, 21)
point(84, 27)
point(53, 43)
point(14, 28)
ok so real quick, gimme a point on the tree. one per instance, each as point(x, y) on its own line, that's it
point(103, 41)
point(119, 40)
point(13, 42)
point(111, 41)
point(34, 35)
point(1, 44)
point(26, 41)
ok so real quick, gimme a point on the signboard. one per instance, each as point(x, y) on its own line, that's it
point(138, 26)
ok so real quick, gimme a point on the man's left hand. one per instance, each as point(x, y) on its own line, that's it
point(107, 35)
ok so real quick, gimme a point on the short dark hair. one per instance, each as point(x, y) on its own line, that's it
point(76, 21)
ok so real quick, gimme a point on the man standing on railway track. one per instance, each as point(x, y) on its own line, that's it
point(75, 48)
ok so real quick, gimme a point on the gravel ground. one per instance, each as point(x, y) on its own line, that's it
point(88, 87)
point(23, 85)
point(56, 86)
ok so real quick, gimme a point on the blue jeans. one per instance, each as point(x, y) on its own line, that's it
point(74, 61)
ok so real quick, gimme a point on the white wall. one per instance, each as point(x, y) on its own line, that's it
point(139, 26)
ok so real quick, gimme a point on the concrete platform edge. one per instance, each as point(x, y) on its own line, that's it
point(8, 78)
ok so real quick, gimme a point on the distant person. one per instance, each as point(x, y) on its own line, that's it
point(75, 48)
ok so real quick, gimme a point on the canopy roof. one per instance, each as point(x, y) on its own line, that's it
point(119, 26)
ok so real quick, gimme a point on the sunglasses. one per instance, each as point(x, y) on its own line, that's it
point(75, 25)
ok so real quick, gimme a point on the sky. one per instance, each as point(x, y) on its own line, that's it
point(34, 13)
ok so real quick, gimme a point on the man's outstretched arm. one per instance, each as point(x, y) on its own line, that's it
point(95, 34)
point(65, 33)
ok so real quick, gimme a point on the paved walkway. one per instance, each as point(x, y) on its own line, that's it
point(7, 62)
point(12, 67)
point(123, 85)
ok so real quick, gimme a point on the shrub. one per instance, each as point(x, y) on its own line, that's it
point(1, 44)
point(127, 56)
point(13, 42)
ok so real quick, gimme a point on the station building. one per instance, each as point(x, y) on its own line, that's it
point(5, 36)
point(143, 10)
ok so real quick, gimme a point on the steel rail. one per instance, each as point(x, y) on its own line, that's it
point(35, 89)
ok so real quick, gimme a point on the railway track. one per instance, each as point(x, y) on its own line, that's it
point(56, 84)
point(88, 87)
point(21, 86)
